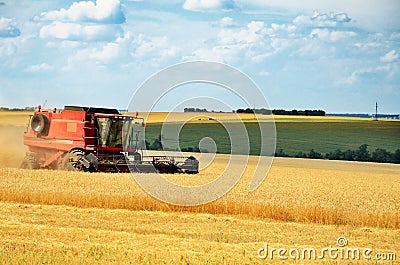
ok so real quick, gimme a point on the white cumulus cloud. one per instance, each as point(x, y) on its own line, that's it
point(358, 74)
point(220, 53)
point(101, 56)
point(153, 48)
point(318, 35)
point(390, 57)
point(395, 35)
point(124, 50)
point(101, 11)
point(226, 22)
point(234, 44)
point(209, 5)
point(43, 67)
point(78, 32)
point(332, 36)
point(8, 29)
point(253, 33)
point(322, 19)
point(7, 48)
point(371, 13)
point(106, 54)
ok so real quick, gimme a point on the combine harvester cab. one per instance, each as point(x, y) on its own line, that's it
point(91, 139)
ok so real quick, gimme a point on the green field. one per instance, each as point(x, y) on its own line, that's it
point(294, 137)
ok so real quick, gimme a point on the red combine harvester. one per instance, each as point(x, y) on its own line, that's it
point(91, 139)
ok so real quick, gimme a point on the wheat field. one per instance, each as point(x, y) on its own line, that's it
point(323, 192)
point(58, 217)
point(50, 234)
point(64, 217)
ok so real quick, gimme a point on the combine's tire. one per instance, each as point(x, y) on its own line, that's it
point(30, 162)
point(40, 124)
point(71, 161)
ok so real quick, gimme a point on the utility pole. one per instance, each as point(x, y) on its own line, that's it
point(376, 111)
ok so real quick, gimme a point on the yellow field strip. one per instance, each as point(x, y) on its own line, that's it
point(37, 234)
point(323, 192)
point(21, 118)
point(16, 118)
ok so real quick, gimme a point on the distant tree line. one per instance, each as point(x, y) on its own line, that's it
point(283, 112)
point(194, 110)
point(299, 112)
point(267, 111)
point(200, 110)
point(365, 115)
point(17, 109)
point(361, 154)
point(256, 111)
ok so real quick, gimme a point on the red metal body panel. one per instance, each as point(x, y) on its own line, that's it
point(67, 130)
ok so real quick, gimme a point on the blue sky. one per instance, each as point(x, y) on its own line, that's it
point(340, 56)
